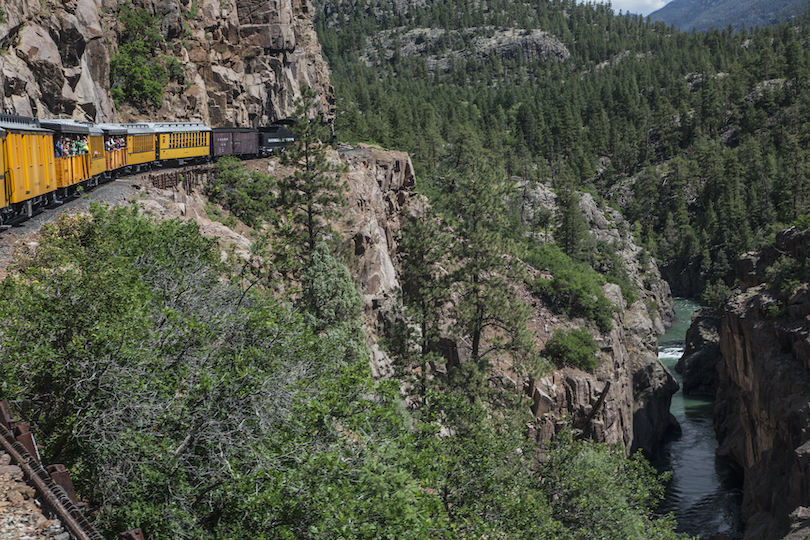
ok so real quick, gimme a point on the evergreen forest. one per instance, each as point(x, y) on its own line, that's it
point(700, 139)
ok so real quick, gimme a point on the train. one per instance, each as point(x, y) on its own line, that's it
point(45, 162)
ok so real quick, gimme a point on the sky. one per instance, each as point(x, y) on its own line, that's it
point(642, 7)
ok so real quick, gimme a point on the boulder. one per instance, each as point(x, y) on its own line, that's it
point(38, 50)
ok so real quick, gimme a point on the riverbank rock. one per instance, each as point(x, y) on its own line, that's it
point(701, 355)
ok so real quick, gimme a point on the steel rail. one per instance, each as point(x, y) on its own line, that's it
point(54, 496)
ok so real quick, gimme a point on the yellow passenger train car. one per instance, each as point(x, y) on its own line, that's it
point(182, 143)
point(129, 148)
point(78, 149)
point(141, 150)
point(29, 176)
point(115, 148)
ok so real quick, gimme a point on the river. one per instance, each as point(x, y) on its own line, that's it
point(705, 494)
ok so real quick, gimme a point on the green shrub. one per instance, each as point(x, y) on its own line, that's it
point(248, 195)
point(136, 76)
point(576, 289)
point(575, 348)
point(137, 71)
point(715, 295)
point(785, 274)
point(776, 311)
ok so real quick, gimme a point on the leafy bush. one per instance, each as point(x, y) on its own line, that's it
point(575, 290)
point(785, 274)
point(575, 347)
point(136, 76)
point(138, 73)
point(715, 295)
point(248, 195)
point(598, 493)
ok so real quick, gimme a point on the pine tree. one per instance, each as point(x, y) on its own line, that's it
point(487, 309)
point(313, 193)
point(572, 233)
point(425, 289)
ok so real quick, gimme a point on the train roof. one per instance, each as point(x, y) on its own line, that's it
point(13, 123)
point(112, 129)
point(234, 130)
point(178, 127)
point(71, 126)
point(126, 129)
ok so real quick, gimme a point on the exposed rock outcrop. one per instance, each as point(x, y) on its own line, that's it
point(762, 413)
point(509, 44)
point(635, 412)
point(243, 62)
point(701, 355)
point(380, 190)
point(752, 266)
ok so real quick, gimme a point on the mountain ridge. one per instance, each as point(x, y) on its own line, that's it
point(701, 15)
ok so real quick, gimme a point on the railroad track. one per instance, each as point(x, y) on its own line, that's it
point(53, 485)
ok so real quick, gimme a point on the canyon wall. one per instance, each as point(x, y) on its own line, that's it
point(762, 413)
point(701, 355)
point(243, 62)
point(635, 411)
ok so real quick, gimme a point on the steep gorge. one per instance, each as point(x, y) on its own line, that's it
point(756, 353)
point(244, 64)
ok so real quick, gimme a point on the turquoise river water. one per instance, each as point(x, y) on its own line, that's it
point(704, 494)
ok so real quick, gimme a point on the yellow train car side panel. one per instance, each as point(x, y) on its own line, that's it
point(72, 170)
point(31, 166)
point(4, 191)
point(184, 145)
point(116, 159)
point(98, 161)
point(141, 149)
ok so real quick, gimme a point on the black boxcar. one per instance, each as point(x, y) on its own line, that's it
point(234, 142)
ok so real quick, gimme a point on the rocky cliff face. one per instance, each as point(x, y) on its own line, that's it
point(243, 61)
point(701, 355)
point(635, 410)
point(509, 44)
point(762, 415)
